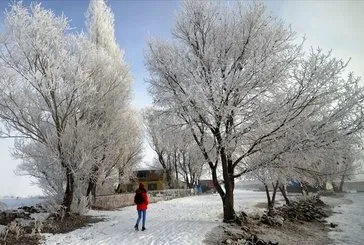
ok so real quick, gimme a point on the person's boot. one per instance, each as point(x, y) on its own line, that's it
point(143, 228)
point(136, 227)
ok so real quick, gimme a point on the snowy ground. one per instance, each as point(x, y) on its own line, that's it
point(179, 221)
point(188, 220)
point(350, 219)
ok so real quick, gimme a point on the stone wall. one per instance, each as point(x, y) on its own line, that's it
point(111, 202)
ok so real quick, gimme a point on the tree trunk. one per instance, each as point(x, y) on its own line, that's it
point(176, 168)
point(228, 199)
point(166, 169)
point(275, 187)
point(169, 178)
point(188, 184)
point(342, 181)
point(118, 188)
point(284, 194)
point(91, 190)
point(227, 196)
point(68, 195)
point(269, 200)
point(228, 203)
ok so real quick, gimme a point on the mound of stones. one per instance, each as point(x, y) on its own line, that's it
point(243, 232)
point(21, 213)
point(306, 209)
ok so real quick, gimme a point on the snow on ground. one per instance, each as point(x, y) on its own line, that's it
point(179, 221)
point(188, 220)
point(350, 219)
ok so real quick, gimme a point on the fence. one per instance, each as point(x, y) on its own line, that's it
point(110, 202)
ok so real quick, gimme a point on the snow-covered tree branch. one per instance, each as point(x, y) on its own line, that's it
point(65, 96)
point(237, 75)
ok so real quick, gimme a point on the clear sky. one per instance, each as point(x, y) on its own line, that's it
point(333, 25)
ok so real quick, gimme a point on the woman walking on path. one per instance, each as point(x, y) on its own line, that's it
point(141, 200)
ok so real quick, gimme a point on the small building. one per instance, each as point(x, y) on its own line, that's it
point(153, 179)
point(207, 185)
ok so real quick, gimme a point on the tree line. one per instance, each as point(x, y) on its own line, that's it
point(235, 95)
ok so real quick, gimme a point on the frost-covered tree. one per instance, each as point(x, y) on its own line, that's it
point(130, 148)
point(176, 150)
point(309, 154)
point(101, 27)
point(159, 139)
point(64, 97)
point(349, 167)
point(43, 71)
point(215, 75)
point(189, 160)
point(236, 75)
point(113, 86)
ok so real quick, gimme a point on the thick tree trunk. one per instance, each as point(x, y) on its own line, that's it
point(68, 195)
point(91, 190)
point(342, 180)
point(228, 199)
point(169, 178)
point(284, 194)
point(166, 169)
point(92, 183)
point(227, 196)
point(269, 200)
point(120, 174)
point(275, 187)
point(192, 180)
point(118, 188)
point(228, 202)
point(188, 184)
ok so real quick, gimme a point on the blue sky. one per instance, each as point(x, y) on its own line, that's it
point(333, 25)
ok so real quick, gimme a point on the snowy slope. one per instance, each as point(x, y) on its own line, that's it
point(179, 221)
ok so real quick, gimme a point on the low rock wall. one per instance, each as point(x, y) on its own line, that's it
point(110, 202)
